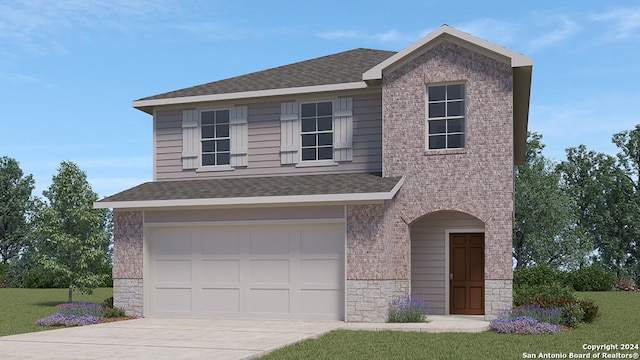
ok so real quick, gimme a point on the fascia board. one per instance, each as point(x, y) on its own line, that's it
point(138, 104)
point(440, 34)
point(259, 200)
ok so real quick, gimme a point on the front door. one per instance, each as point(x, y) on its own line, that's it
point(466, 274)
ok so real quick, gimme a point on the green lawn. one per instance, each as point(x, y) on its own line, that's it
point(619, 323)
point(20, 308)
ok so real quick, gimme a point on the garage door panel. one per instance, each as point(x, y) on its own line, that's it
point(221, 301)
point(321, 302)
point(173, 300)
point(270, 241)
point(222, 241)
point(173, 271)
point(270, 271)
point(320, 271)
point(270, 301)
point(274, 270)
point(321, 239)
point(221, 271)
point(172, 242)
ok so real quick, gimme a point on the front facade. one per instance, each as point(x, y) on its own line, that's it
point(324, 189)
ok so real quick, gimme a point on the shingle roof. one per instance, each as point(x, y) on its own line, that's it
point(274, 186)
point(344, 67)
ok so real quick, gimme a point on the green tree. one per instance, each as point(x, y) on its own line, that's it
point(606, 205)
point(629, 160)
point(544, 221)
point(75, 238)
point(16, 206)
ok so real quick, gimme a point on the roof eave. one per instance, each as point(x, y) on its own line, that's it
point(317, 199)
point(443, 33)
point(148, 105)
point(521, 101)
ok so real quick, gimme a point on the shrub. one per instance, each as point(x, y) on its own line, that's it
point(81, 309)
point(407, 309)
point(551, 315)
point(110, 311)
point(59, 319)
point(114, 312)
point(591, 278)
point(536, 276)
point(627, 285)
point(525, 293)
point(523, 325)
point(538, 281)
point(590, 309)
point(574, 311)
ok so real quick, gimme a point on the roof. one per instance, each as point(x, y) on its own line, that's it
point(342, 68)
point(325, 188)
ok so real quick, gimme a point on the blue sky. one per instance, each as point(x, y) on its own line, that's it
point(69, 69)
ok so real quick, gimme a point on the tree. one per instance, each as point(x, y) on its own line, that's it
point(543, 227)
point(75, 238)
point(16, 206)
point(606, 204)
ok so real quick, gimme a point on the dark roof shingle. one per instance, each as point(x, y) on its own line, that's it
point(257, 187)
point(344, 67)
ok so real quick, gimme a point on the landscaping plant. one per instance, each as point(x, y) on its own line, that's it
point(407, 309)
point(81, 313)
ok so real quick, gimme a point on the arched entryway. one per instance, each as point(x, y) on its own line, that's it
point(445, 243)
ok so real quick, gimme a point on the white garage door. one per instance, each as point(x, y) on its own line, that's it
point(276, 271)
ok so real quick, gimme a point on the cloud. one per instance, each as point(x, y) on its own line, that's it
point(391, 36)
point(40, 27)
point(497, 31)
point(625, 22)
point(558, 29)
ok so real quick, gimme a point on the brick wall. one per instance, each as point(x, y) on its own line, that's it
point(127, 261)
point(476, 180)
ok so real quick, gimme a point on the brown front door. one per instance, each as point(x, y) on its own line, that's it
point(466, 276)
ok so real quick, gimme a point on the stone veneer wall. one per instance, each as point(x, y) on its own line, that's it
point(477, 180)
point(368, 300)
point(127, 261)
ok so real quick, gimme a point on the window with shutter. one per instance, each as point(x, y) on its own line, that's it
point(214, 139)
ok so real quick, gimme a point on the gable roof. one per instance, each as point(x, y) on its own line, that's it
point(313, 75)
point(325, 188)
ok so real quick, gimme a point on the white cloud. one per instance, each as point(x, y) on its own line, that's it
point(391, 36)
point(625, 22)
point(497, 31)
point(38, 27)
point(557, 29)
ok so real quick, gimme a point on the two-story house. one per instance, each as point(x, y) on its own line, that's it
point(325, 188)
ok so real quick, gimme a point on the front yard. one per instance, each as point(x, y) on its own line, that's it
point(22, 307)
point(619, 323)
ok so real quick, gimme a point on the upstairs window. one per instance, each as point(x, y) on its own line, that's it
point(215, 140)
point(446, 117)
point(316, 131)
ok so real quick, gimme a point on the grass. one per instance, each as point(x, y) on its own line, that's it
point(618, 324)
point(22, 307)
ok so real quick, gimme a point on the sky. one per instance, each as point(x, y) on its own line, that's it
point(69, 69)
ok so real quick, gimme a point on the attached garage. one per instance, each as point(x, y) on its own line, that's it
point(274, 270)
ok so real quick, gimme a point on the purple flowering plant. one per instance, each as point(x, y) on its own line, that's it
point(74, 314)
point(59, 319)
point(408, 309)
point(529, 319)
point(523, 325)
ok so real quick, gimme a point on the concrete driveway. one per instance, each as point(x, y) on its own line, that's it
point(159, 338)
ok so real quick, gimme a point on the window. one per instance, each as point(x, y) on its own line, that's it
point(215, 140)
point(317, 131)
point(446, 116)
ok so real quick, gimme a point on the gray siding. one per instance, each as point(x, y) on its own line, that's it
point(264, 143)
point(245, 214)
